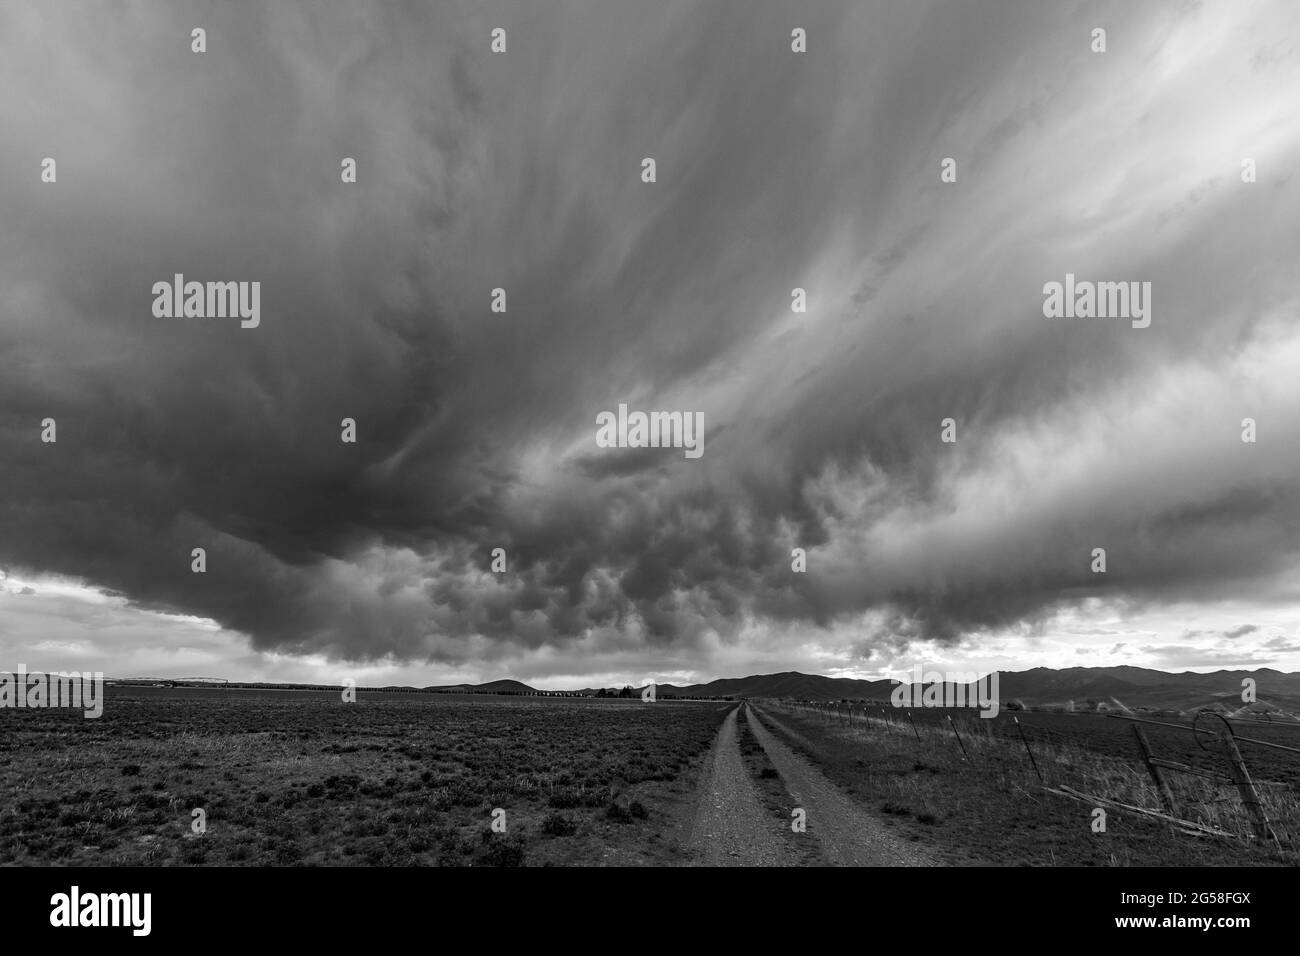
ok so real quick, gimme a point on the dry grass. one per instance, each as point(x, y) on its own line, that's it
point(986, 804)
point(300, 778)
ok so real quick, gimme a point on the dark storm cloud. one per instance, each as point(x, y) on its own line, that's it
point(521, 171)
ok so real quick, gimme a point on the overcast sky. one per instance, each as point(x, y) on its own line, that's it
point(476, 430)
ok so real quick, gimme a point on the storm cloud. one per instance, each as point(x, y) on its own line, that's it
point(775, 170)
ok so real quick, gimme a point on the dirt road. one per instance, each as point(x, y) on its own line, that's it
point(848, 834)
point(730, 826)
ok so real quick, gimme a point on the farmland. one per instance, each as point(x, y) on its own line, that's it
point(287, 777)
point(298, 777)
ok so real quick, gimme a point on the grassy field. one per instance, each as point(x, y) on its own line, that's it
point(298, 777)
point(986, 804)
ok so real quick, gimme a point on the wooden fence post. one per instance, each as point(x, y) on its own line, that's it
point(1162, 785)
point(957, 735)
point(1246, 787)
point(1025, 740)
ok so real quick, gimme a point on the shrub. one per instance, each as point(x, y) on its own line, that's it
point(557, 824)
point(565, 798)
point(503, 852)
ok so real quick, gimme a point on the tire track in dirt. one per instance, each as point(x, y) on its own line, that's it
point(847, 834)
point(731, 828)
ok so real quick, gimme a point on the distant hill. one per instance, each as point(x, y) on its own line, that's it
point(1143, 687)
point(491, 687)
point(1083, 688)
point(789, 684)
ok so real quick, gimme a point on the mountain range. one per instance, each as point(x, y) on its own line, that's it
point(1085, 687)
point(1072, 688)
